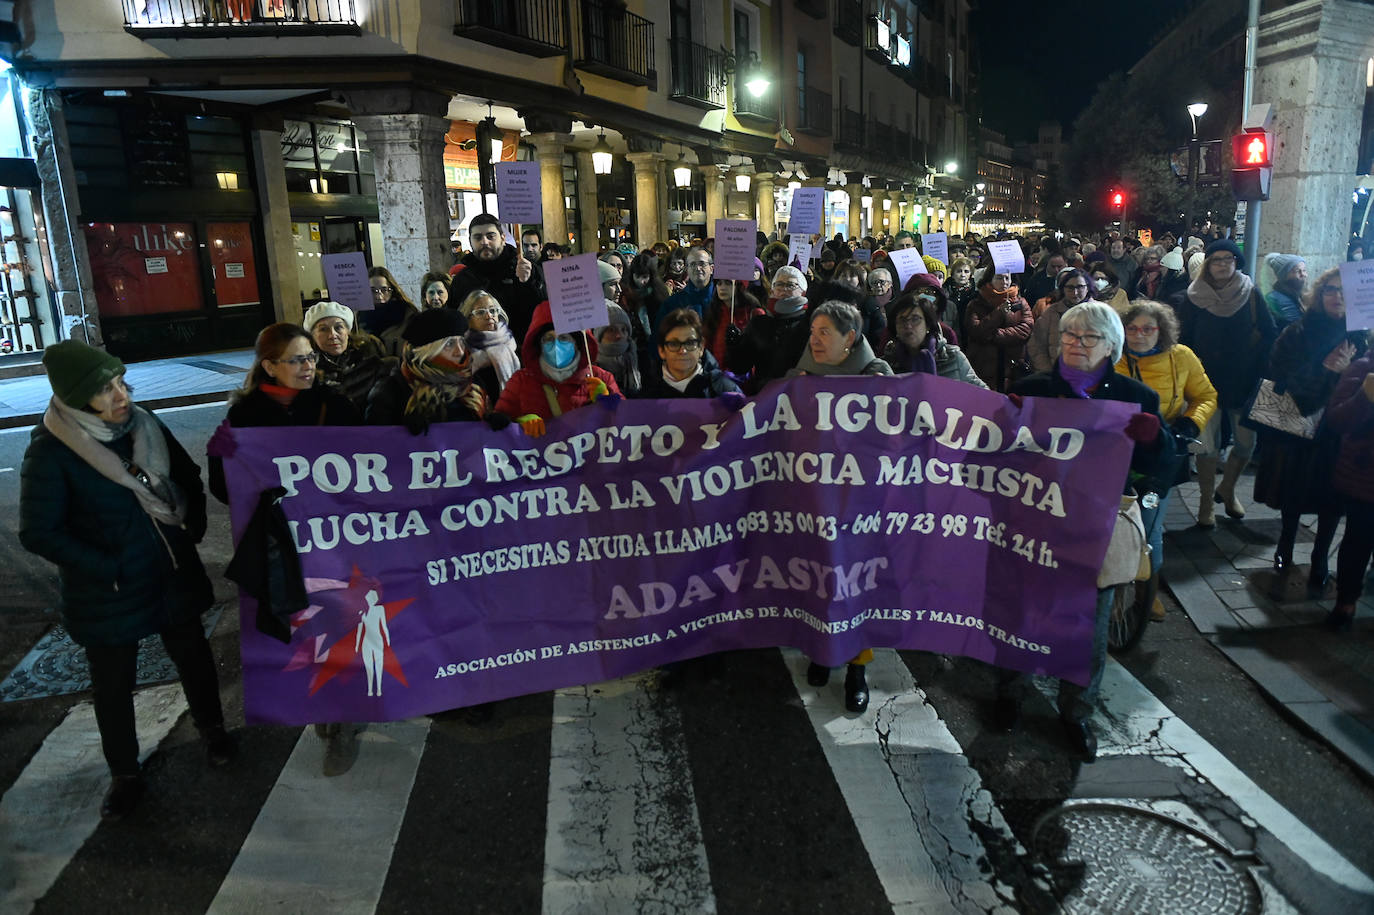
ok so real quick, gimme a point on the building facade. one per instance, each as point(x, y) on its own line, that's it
point(197, 159)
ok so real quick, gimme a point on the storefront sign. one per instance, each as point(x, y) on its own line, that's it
point(345, 275)
point(936, 245)
point(518, 192)
point(575, 294)
point(1357, 284)
point(829, 514)
point(804, 215)
point(1007, 256)
point(735, 246)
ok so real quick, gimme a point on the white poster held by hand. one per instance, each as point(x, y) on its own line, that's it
point(936, 245)
point(1007, 256)
point(806, 210)
point(799, 252)
point(735, 244)
point(908, 263)
point(1357, 286)
point(575, 295)
point(345, 276)
point(518, 192)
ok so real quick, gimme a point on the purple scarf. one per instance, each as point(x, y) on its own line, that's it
point(1080, 382)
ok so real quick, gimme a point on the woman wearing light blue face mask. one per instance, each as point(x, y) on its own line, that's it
point(559, 373)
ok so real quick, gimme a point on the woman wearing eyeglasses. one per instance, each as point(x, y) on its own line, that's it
point(688, 368)
point(919, 343)
point(1307, 361)
point(391, 308)
point(1187, 401)
point(1073, 287)
point(489, 339)
point(772, 342)
point(1091, 340)
point(281, 390)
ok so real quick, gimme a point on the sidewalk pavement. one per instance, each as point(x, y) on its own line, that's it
point(1221, 578)
point(204, 378)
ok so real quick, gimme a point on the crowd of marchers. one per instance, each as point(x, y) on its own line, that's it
point(1179, 330)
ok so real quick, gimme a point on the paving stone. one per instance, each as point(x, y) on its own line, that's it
point(1348, 735)
point(1273, 675)
point(1260, 618)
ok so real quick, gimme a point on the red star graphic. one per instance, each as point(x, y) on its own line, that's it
point(341, 659)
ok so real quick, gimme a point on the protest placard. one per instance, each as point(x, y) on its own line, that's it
point(345, 276)
point(936, 245)
point(1357, 286)
point(575, 295)
point(1007, 256)
point(799, 251)
point(518, 192)
point(806, 211)
point(907, 262)
point(735, 244)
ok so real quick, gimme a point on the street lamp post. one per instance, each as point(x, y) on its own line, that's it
point(1195, 111)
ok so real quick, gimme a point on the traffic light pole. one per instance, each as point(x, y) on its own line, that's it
point(1252, 209)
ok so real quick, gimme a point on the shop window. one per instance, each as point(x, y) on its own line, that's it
point(326, 157)
point(232, 265)
point(143, 268)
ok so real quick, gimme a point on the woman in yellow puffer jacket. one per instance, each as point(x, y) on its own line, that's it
point(1187, 398)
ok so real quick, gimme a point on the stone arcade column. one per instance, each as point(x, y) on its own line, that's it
point(276, 218)
point(409, 153)
point(645, 155)
point(879, 195)
point(715, 196)
point(763, 200)
point(588, 211)
point(855, 189)
point(549, 146)
point(1311, 69)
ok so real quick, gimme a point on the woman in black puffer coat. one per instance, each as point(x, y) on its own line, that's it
point(1295, 476)
point(111, 498)
point(352, 361)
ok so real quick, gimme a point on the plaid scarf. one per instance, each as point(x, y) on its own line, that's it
point(437, 383)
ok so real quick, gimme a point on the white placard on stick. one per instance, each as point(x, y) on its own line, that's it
point(936, 245)
point(806, 211)
point(735, 244)
point(518, 192)
point(1007, 256)
point(575, 295)
point(799, 252)
point(345, 276)
point(908, 263)
point(1357, 285)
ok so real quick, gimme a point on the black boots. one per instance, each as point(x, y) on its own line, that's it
point(817, 674)
point(855, 689)
point(122, 798)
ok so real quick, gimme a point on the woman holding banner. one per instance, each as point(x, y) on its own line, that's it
point(837, 347)
point(558, 374)
point(1091, 341)
point(688, 369)
point(434, 383)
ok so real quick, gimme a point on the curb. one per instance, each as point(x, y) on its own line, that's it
point(33, 419)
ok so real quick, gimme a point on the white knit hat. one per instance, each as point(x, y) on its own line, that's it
point(321, 310)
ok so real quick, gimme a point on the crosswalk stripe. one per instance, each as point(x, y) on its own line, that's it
point(54, 805)
point(324, 844)
point(1136, 720)
point(910, 790)
point(623, 831)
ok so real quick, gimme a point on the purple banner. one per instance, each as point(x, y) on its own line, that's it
point(830, 514)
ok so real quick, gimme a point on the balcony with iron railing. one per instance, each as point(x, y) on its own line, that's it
point(815, 116)
point(615, 43)
point(758, 108)
point(849, 129)
point(698, 75)
point(849, 21)
point(533, 27)
point(227, 18)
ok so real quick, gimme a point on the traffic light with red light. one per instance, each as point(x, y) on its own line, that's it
point(1252, 151)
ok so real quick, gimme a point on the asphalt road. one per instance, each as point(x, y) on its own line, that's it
point(775, 817)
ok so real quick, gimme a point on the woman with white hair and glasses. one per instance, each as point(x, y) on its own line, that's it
point(1091, 339)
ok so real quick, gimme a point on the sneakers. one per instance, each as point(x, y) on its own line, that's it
point(122, 798)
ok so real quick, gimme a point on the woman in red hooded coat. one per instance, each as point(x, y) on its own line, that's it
point(556, 376)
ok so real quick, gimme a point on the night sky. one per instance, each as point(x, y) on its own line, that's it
point(1042, 61)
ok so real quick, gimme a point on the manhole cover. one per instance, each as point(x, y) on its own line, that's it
point(1112, 859)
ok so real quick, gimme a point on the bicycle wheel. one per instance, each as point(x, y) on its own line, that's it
point(1130, 614)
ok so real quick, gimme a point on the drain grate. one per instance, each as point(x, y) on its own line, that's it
point(1108, 858)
